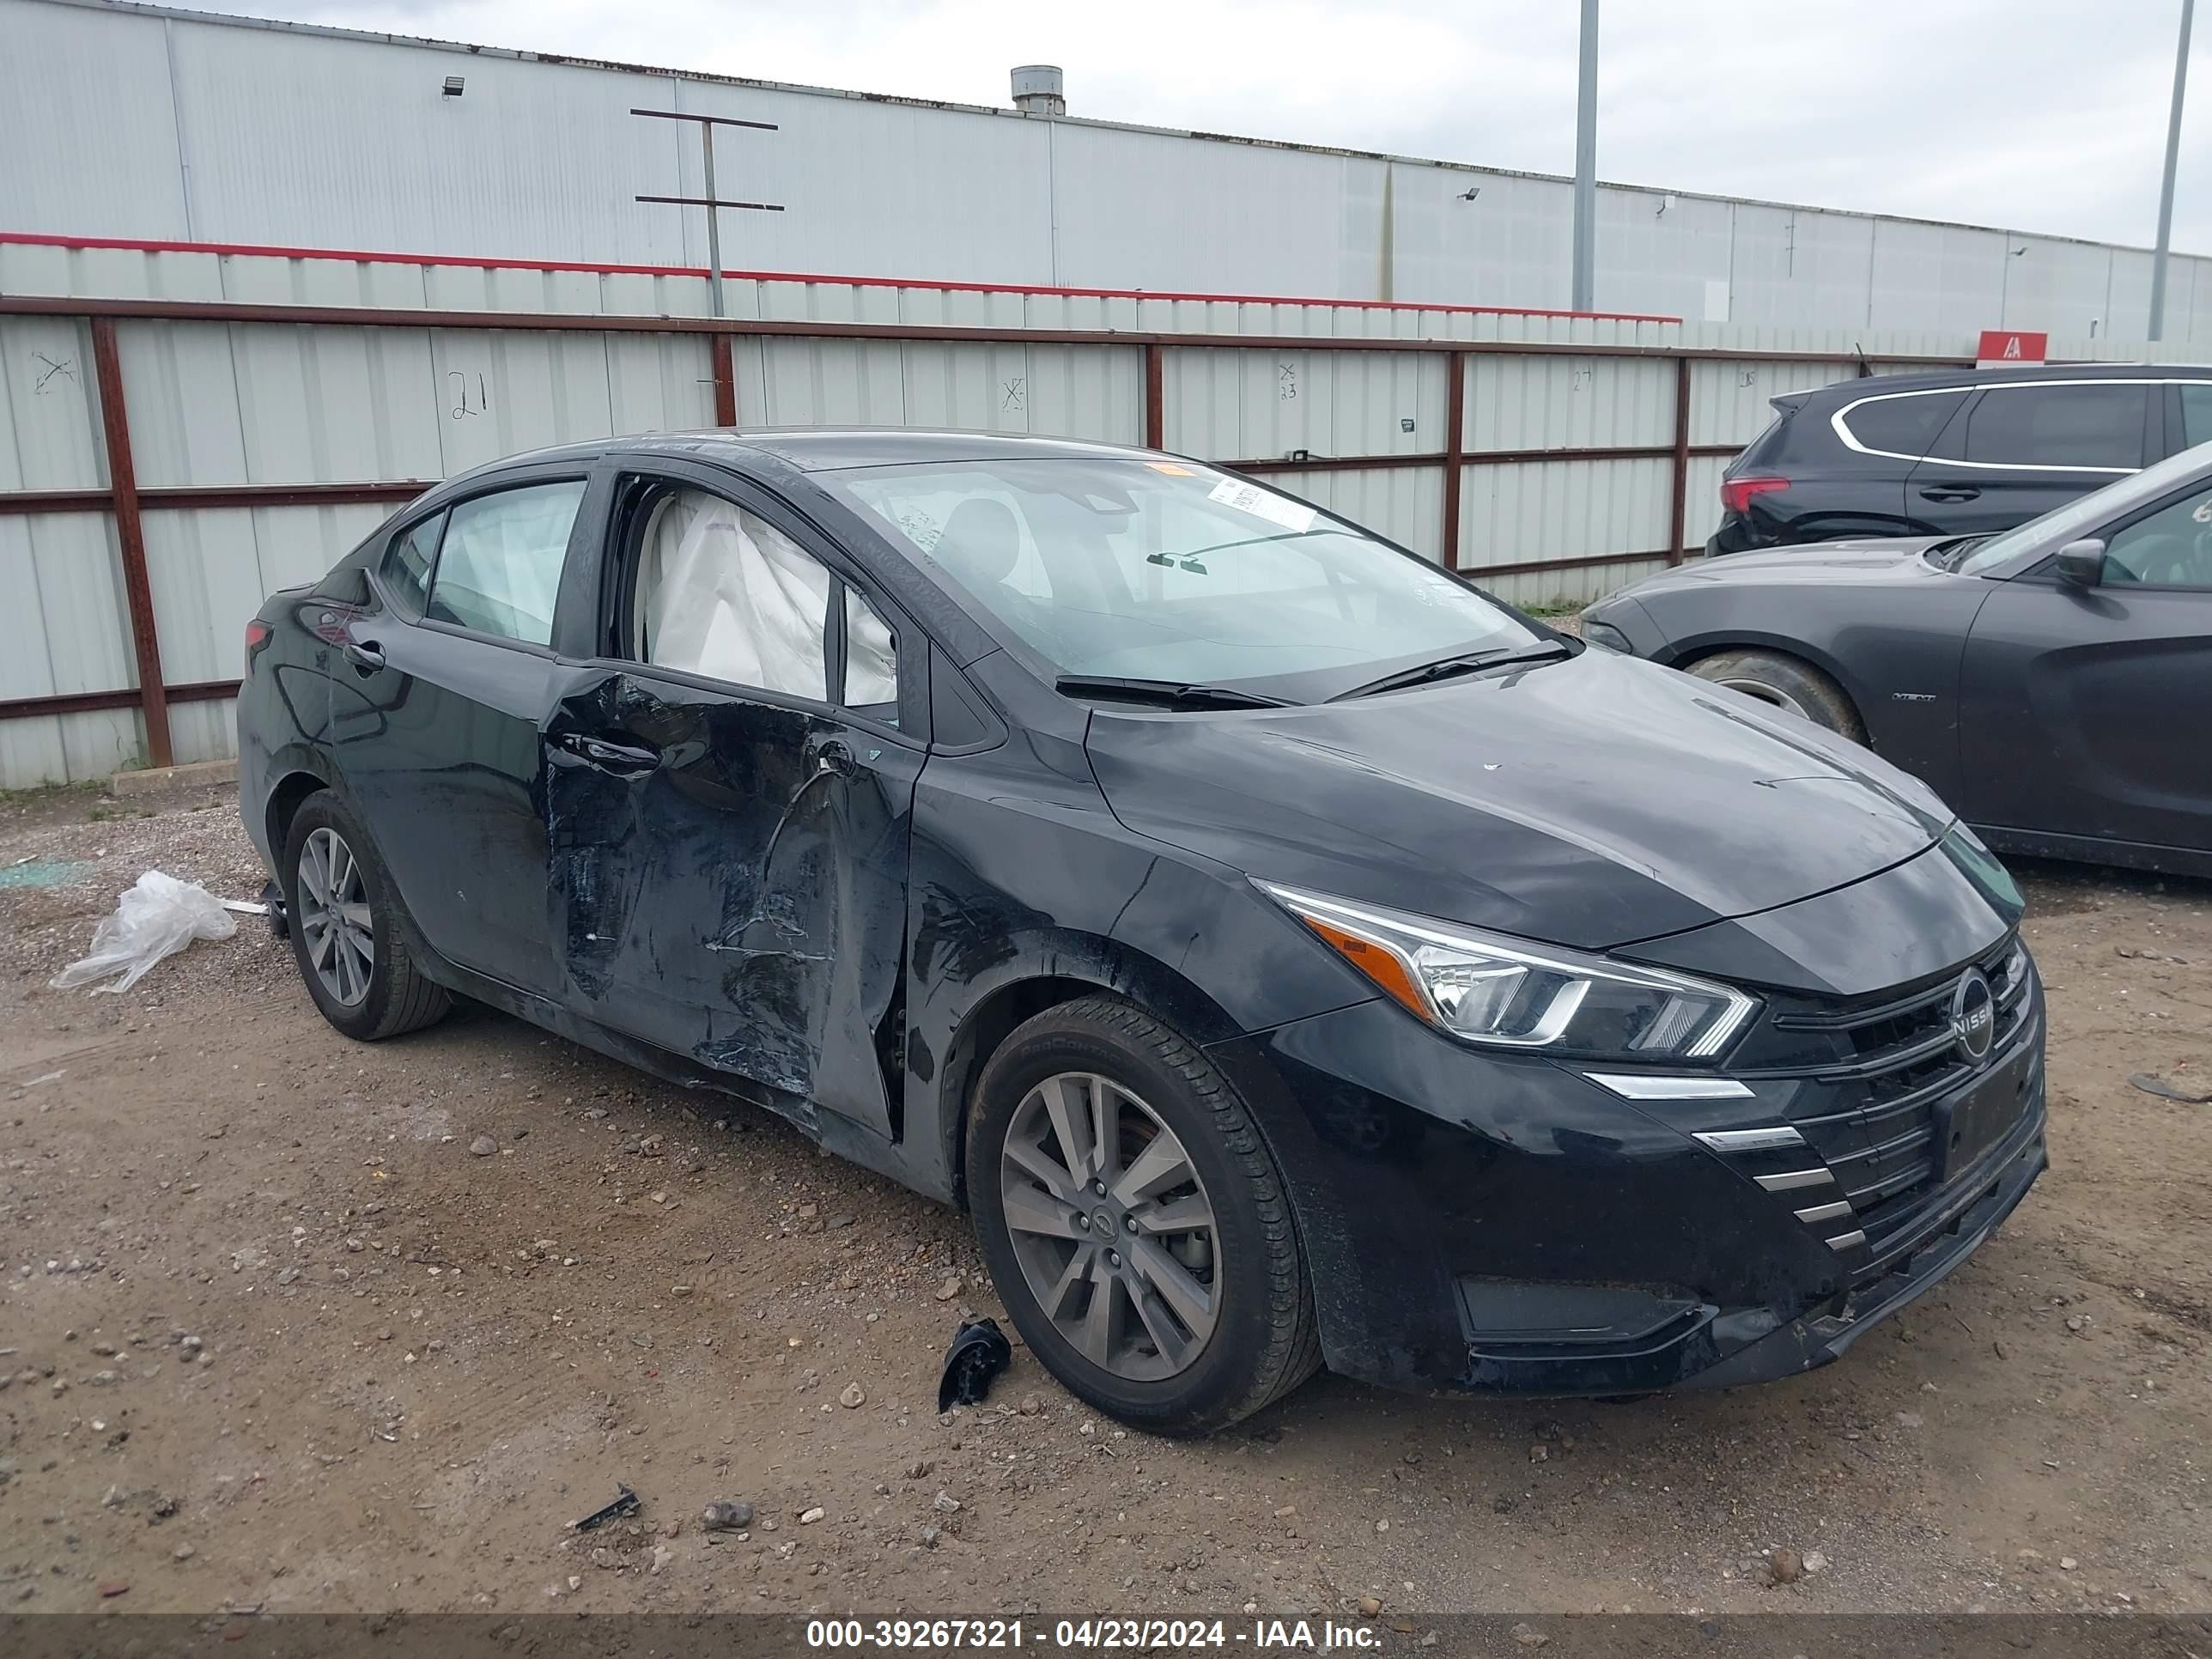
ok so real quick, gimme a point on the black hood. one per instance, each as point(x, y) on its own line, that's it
point(1591, 802)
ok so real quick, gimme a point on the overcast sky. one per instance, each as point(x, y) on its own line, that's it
point(2046, 116)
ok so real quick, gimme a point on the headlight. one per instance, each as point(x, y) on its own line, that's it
point(1505, 993)
point(1605, 634)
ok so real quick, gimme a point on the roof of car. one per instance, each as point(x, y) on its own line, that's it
point(822, 449)
point(1938, 380)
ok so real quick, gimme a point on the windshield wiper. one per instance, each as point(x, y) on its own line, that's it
point(1167, 694)
point(1949, 555)
point(1474, 662)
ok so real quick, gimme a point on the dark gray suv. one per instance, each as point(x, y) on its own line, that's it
point(1956, 453)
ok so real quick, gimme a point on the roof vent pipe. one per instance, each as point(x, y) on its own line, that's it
point(1038, 90)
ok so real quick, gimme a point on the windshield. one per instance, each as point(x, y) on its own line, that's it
point(1108, 566)
point(2082, 515)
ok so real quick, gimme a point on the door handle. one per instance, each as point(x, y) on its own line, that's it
point(366, 655)
point(1950, 493)
point(835, 759)
point(622, 759)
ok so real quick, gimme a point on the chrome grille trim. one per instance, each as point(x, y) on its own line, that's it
point(1835, 1212)
point(1790, 1181)
point(1780, 1136)
point(1847, 1242)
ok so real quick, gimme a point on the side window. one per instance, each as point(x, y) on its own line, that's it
point(2169, 548)
point(1905, 424)
point(722, 593)
point(499, 568)
point(2088, 424)
point(2196, 413)
point(407, 564)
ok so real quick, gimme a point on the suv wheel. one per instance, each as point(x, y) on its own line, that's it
point(343, 934)
point(1786, 684)
point(1135, 1223)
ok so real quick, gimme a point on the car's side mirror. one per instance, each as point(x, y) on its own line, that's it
point(2081, 563)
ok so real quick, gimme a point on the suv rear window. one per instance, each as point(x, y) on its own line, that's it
point(1765, 450)
point(2090, 424)
point(1905, 423)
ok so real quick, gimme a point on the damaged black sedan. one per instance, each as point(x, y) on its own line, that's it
point(1289, 954)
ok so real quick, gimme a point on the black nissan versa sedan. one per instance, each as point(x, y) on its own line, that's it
point(1287, 954)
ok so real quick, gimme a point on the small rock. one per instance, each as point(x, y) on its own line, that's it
point(183, 1552)
point(1910, 1420)
point(1815, 1562)
point(949, 1288)
point(662, 1555)
point(853, 1397)
point(1369, 1606)
point(484, 1146)
point(109, 1590)
point(808, 1517)
point(1030, 1405)
point(1539, 1453)
point(724, 1516)
point(931, 1537)
point(1784, 1567)
point(1286, 1512)
point(1528, 1637)
point(945, 1503)
point(2067, 1564)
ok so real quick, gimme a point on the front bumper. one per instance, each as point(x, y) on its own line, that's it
point(1488, 1223)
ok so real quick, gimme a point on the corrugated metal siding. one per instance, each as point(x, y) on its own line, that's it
point(1256, 405)
point(1568, 402)
point(50, 437)
point(1404, 503)
point(130, 125)
point(1512, 513)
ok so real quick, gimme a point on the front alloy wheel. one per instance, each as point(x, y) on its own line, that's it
point(1111, 1224)
point(1135, 1221)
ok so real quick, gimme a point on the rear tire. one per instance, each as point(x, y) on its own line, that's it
point(344, 928)
point(1199, 1221)
point(1782, 682)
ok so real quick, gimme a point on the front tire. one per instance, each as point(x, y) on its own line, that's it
point(1135, 1223)
point(1784, 682)
point(344, 930)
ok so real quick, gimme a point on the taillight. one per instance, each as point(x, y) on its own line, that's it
point(257, 635)
point(1736, 493)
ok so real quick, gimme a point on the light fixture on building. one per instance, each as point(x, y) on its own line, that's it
point(1468, 195)
point(455, 86)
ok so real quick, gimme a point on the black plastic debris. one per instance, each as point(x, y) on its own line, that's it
point(979, 1352)
point(625, 1503)
point(2165, 1090)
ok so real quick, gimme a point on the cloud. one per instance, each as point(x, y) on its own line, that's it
point(2023, 114)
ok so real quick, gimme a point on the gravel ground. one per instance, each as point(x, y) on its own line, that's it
point(275, 1335)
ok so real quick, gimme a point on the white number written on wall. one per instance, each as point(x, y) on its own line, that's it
point(467, 399)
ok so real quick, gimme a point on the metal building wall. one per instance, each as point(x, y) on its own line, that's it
point(134, 123)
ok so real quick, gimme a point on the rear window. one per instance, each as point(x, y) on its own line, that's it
point(1907, 423)
point(2091, 424)
point(1765, 450)
point(2195, 414)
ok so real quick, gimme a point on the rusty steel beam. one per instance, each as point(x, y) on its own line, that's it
point(131, 540)
point(725, 383)
point(1467, 457)
point(1678, 509)
point(1156, 399)
point(1455, 457)
point(1584, 562)
point(79, 702)
point(589, 323)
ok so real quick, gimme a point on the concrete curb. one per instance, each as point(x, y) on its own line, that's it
point(161, 780)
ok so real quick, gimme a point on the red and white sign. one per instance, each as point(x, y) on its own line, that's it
point(2004, 348)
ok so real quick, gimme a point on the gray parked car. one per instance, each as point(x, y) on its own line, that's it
point(2052, 682)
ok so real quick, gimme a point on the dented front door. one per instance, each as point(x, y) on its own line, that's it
point(729, 880)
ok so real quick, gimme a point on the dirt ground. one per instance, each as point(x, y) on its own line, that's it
point(275, 1335)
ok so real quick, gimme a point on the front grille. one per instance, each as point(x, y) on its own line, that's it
point(1890, 1064)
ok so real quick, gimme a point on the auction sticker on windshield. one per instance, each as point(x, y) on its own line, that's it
point(1263, 504)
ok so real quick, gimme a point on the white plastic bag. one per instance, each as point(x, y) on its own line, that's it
point(156, 918)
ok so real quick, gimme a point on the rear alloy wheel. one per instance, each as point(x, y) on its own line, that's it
point(1784, 682)
point(345, 935)
point(1135, 1223)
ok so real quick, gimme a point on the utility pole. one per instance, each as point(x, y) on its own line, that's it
point(2166, 188)
point(1585, 266)
point(713, 203)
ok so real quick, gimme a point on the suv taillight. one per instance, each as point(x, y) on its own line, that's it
point(257, 635)
point(1736, 493)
